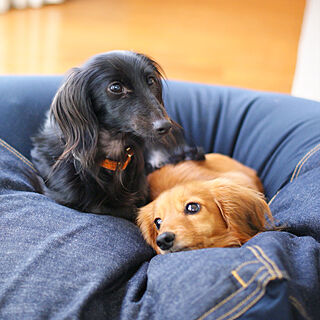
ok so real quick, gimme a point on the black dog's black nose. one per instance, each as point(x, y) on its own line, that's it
point(162, 126)
point(165, 240)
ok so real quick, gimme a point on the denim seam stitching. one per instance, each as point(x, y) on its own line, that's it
point(260, 287)
point(241, 303)
point(262, 290)
point(253, 276)
point(245, 264)
point(17, 154)
point(274, 265)
point(240, 280)
point(269, 268)
point(298, 305)
point(303, 161)
point(221, 303)
point(269, 203)
point(313, 150)
point(270, 271)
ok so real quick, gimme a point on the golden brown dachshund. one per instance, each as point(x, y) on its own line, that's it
point(217, 202)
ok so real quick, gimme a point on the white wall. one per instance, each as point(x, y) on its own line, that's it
point(306, 82)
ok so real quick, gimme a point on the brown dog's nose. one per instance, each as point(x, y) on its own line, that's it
point(162, 127)
point(165, 240)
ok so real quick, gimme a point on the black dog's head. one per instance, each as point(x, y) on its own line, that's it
point(118, 91)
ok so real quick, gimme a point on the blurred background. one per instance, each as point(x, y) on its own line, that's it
point(248, 43)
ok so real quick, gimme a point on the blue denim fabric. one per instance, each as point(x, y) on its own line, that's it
point(59, 263)
point(56, 262)
point(24, 101)
point(62, 264)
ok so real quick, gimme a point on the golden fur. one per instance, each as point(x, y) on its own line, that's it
point(232, 206)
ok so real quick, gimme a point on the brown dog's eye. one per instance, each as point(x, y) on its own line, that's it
point(192, 208)
point(151, 81)
point(115, 88)
point(157, 222)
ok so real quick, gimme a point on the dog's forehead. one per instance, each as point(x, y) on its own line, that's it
point(193, 188)
point(178, 196)
point(121, 62)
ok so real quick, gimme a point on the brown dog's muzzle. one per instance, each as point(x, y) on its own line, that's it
point(165, 240)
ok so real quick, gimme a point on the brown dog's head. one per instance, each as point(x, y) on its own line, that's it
point(203, 214)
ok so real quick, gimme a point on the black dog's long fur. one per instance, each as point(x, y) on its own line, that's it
point(112, 102)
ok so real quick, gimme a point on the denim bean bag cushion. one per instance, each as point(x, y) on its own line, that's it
point(59, 263)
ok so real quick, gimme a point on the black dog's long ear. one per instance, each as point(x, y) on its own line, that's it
point(73, 112)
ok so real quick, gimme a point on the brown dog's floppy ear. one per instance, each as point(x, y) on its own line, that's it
point(73, 111)
point(244, 210)
point(145, 221)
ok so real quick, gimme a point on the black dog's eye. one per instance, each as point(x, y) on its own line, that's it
point(158, 222)
point(151, 81)
point(192, 208)
point(116, 88)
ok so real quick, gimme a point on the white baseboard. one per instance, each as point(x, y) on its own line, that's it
point(5, 5)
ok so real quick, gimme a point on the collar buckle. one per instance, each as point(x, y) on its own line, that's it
point(116, 165)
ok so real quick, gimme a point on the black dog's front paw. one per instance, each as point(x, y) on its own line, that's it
point(172, 149)
point(186, 153)
point(194, 153)
point(159, 158)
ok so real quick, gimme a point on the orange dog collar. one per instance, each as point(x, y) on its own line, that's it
point(115, 165)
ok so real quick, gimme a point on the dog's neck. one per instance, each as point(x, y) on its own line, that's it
point(118, 165)
point(113, 145)
point(118, 148)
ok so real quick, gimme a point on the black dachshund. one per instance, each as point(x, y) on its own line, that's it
point(106, 125)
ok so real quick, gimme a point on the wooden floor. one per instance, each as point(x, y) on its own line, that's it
point(247, 43)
